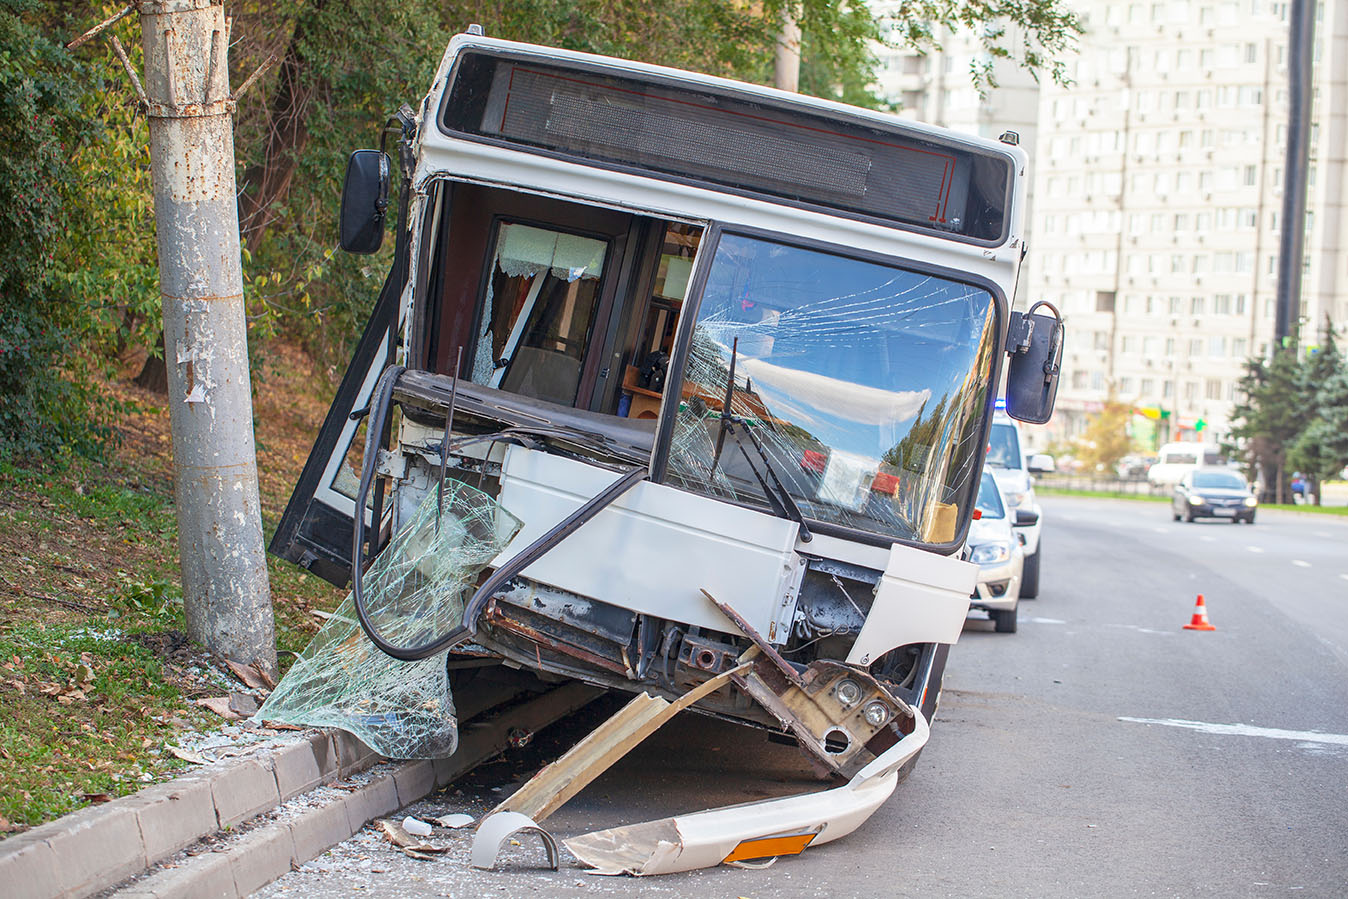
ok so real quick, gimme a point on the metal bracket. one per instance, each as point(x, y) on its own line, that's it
point(1018, 333)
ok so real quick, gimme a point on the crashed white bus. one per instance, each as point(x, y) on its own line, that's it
point(726, 357)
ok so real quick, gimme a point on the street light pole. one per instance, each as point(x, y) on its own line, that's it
point(224, 570)
point(1300, 59)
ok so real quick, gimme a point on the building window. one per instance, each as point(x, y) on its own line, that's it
point(1102, 340)
point(1079, 380)
point(1167, 389)
point(1125, 385)
point(1148, 387)
point(1196, 305)
point(1217, 347)
point(1170, 346)
point(1176, 305)
point(1195, 347)
point(1104, 301)
point(1251, 175)
point(1213, 389)
point(1191, 391)
point(1238, 347)
point(1221, 304)
point(1098, 380)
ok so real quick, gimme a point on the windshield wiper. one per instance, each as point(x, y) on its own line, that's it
point(782, 502)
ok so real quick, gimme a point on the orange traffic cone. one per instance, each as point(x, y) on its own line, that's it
point(1200, 620)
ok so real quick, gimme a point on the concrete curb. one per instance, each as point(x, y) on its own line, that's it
point(100, 846)
point(262, 855)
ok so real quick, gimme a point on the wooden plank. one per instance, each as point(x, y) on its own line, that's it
point(552, 787)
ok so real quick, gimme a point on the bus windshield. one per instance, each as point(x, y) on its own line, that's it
point(864, 383)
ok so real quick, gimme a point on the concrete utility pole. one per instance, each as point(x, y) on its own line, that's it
point(786, 63)
point(1300, 71)
point(225, 589)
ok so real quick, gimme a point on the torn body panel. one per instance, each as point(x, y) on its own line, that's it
point(709, 838)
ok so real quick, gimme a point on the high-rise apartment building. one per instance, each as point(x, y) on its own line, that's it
point(1158, 198)
point(1157, 195)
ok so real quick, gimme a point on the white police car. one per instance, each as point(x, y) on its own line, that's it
point(1014, 472)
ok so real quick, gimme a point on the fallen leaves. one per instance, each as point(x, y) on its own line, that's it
point(252, 676)
point(231, 707)
point(220, 705)
point(186, 755)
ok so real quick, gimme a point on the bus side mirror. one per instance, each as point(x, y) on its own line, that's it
point(364, 201)
point(1034, 343)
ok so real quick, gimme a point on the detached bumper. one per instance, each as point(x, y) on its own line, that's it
point(756, 830)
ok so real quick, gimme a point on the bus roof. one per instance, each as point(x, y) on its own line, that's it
point(496, 100)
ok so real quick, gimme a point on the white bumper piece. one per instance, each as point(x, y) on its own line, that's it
point(752, 831)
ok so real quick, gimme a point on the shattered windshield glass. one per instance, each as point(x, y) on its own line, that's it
point(865, 383)
point(415, 590)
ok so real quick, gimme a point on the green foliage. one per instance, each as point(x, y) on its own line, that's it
point(1321, 449)
point(43, 400)
point(108, 262)
point(1033, 34)
point(1293, 415)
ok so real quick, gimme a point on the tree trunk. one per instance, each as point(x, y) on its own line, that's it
point(154, 373)
point(266, 184)
point(786, 61)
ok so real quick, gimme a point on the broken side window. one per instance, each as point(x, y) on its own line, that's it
point(538, 312)
point(865, 384)
point(643, 380)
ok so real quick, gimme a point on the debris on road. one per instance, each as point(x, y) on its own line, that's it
point(416, 827)
point(496, 829)
point(454, 821)
point(411, 844)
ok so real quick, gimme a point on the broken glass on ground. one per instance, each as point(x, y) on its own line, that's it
point(415, 590)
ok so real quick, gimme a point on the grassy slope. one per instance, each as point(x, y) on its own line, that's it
point(95, 673)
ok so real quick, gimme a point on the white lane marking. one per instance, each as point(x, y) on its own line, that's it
point(1344, 576)
point(1207, 539)
point(1143, 630)
point(1246, 730)
point(1300, 563)
point(1255, 549)
point(1323, 534)
point(1057, 620)
point(1161, 530)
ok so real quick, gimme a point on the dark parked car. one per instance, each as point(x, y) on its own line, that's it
point(1213, 493)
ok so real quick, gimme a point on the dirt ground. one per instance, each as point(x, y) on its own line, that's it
point(96, 674)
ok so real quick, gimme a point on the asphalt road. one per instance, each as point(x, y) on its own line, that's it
point(1101, 751)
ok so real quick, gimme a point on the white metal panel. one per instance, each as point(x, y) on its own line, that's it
point(922, 598)
point(655, 549)
point(440, 153)
point(704, 839)
point(853, 552)
point(569, 180)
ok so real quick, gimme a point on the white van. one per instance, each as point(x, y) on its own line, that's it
point(1175, 460)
